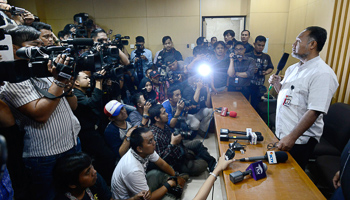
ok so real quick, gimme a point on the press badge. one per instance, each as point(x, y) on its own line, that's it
point(287, 100)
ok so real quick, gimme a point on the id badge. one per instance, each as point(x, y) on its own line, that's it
point(287, 100)
point(236, 80)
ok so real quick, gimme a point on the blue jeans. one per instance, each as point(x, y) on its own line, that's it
point(40, 173)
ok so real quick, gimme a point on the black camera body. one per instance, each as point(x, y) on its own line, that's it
point(187, 102)
point(182, 128)
point(184, 134)
point(120, 41)
point(152, 101)
point(139, 51)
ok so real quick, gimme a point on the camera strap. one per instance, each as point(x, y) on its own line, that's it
point(46, 93)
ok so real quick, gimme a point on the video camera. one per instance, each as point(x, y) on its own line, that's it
point(120, 41)
point(37, 58)
point(109, 61)
point(15, 10)
point(84, 24)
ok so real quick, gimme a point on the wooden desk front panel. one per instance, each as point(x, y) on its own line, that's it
point(284, 180)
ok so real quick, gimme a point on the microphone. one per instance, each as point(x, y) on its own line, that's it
point(256, 170)
point(225, 131)
point(281, 65)
point(224, 112)
point(249, 138)
point(231, 114)
point(80, 41)
point(281, 157)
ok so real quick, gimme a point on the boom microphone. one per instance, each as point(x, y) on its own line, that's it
point(281, 65)
point(281, 157)
point(80, 41)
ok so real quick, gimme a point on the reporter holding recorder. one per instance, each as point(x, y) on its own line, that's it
point(304, 96)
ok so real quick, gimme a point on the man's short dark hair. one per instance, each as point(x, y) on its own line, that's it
point(136, 98)
point(68, 27)
point(154, 111)
point(231, 32)
point(260, 38)
point(171, 90)
point(165, 38)
point(136, 138)
point(211, 39)
point(239, 43)
point(140, 39)
point(41, 25)
point(219, 42)
point(95, 32)
point(247, 31)
point(67, 169)
point(200, 50)
point(318, 34)
point(200, 41)
point(22, 34)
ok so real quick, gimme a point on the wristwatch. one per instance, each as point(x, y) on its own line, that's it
point(145, 116)
point(127, 138)
point(59, 83)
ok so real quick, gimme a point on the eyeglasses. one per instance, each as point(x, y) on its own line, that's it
point(272, 146)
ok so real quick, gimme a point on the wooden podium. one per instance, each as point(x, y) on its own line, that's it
point(284, 180)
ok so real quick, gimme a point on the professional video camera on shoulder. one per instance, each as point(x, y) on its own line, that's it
point(35, 60)
point(109, 57)
point(15, 10)
point(84, 24)
point(120, 41)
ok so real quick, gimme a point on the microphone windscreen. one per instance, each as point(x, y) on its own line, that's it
point(282, 62)
point(281, 156)
point(260, 138)
point(233, 114)
point(265, 167)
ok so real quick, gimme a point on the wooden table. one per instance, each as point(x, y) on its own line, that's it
point(284, 180)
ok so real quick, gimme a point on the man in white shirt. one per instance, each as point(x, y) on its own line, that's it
point(129, 177)
point(304, 96)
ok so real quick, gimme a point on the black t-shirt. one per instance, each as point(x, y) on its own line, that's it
point(188, 94)
point(100, 191)
point(219, 69)
point(248, 48)
point(263, 63)
point(163, 54)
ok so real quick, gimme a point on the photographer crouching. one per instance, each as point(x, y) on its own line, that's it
point(199, 113)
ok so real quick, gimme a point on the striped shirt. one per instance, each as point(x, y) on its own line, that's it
point(57, 135)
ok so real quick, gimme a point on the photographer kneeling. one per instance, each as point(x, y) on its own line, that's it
point(199, 113)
